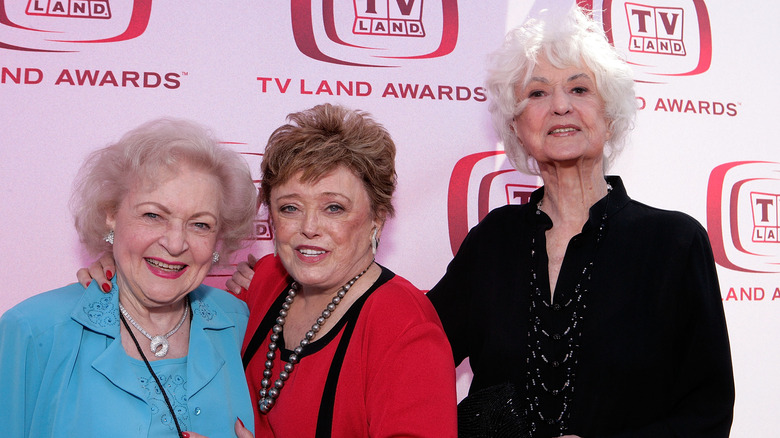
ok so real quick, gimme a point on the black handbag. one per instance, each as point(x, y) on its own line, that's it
point(493, 412)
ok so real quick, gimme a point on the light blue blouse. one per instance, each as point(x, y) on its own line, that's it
point(64, 372)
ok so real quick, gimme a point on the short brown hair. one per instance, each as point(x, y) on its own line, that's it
point(319, 139)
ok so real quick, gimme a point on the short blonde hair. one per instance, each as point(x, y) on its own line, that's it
point(149, 153)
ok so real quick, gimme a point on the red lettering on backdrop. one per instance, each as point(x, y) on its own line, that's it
point(303, 88)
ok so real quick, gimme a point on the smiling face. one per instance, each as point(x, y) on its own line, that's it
point(323, 229)
point(164, 237)
point(564, 119)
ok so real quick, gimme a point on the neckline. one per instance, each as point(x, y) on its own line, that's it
point(353, 312)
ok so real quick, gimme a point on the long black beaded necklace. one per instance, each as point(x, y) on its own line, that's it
point(537, 358)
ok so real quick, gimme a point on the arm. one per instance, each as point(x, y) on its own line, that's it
point(703, 400)
point(23, 374)
point(451, 298)
point(411, 389)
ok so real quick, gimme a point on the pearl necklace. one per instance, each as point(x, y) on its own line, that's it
point(159, 344)
point(268, 396)
point(538, 357)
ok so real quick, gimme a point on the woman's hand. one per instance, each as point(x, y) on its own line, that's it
point(241, 431)
point(101, 271)
point(243, 275)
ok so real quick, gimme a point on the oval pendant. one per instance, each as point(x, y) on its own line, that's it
point(161, 343)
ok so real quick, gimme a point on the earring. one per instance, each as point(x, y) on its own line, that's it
point(109, 237)
point(374, 241)
point(215, 257)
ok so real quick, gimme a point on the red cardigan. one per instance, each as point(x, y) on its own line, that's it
point(397, 377)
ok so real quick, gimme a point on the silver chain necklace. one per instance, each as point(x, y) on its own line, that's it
point(268, 396)
point(159, 344)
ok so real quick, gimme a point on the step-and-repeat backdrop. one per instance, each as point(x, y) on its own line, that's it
point(76, 74)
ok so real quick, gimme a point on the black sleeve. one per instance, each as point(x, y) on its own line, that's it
point(705, 382)
point(451, 297)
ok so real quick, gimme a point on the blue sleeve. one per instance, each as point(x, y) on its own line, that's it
point(21, 371)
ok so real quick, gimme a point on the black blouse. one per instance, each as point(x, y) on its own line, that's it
point(654, 357)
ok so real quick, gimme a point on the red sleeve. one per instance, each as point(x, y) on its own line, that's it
point(410, 371)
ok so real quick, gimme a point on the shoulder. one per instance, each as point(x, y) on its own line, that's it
point(47, 309)
point(504, 215)
point(268, 280)
point(224, 301)
point(642, 215)
point(221, 298)
point(270, 266)
point(268, 270)
point(497, 225)
point(398, 302)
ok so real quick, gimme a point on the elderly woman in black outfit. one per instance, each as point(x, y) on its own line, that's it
point(603, 312)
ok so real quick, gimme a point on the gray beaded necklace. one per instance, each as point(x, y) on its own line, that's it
point(537, 359)
point(269, 395)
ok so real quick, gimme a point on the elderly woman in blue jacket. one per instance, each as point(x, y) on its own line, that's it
point(159, 354)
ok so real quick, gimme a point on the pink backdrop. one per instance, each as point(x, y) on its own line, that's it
point(76, 74)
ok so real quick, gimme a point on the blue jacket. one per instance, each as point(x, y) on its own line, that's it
point(65, 373)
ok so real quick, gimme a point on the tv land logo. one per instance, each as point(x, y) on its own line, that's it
point(374, 33)
point(655, 30)
point(66, 25)
point(402, 18)
point(479, 183)
point(70, 8)
point(660, 38)
point(743, 211)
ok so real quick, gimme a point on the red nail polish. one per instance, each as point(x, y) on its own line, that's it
point(185, 434)
point(109, 275)
point(106, 287)
point(89, 282)
point(241, 422)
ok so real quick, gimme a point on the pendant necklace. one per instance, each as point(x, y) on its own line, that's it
point(159, 344)
point(149, 367)
point(267, 394)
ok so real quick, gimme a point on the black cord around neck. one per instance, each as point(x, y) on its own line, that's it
point(149, 366)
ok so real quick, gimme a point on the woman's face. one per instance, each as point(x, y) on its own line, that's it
point(323, 229)
point(564, 121)
point(164, 236)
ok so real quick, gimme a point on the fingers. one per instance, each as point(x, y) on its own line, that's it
point(97, 274)
point(241, 431)
point(83, 277)
point(232, 287)
point(109, 267)
point(243, 275)
point(101, 271)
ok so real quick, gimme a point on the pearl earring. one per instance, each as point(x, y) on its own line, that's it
point(215, 257)
point(109, 237)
